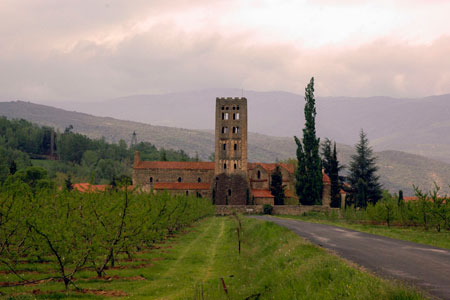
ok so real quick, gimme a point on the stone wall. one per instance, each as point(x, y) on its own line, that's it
point(277, 209)
point(142, 176)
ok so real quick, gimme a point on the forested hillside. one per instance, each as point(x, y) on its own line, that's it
point(23, 144)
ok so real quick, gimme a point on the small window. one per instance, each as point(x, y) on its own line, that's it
point(187, 193)
point(259, 174)
point(234, 116)
point(199, 179)
point(235, 129)
point(235, 166)
point(217, 178)
point(224, 166)
point(225, 117)
point(237, 107)
point(227, 108)
point(224, 146)
point(179, 179)
point(229, 192)
point(234, 107)
point(237, 116)
point(235, 146)
point(151, 179)
point(223, 107)
point(224, 129)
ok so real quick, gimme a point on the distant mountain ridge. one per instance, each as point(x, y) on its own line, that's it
point(418, 126)
point(398, 170)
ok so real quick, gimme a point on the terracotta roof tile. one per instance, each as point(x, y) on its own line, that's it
point(262, 193)
point(325, 178)
point(271, 167)
point(184, 165)
point(87, 187)
point(181, 186)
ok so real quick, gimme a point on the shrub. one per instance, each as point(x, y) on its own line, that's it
point(267, 209)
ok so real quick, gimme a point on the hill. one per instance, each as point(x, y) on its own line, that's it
point(398, 170)
point(418, 126)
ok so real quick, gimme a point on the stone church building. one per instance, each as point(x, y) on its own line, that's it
point(230, 179)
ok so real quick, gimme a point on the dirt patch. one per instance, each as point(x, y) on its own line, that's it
point(107, 293)
point(17, 283)
point(146, 265)
point(103, 293)
point(157, 258)
point(114, 277)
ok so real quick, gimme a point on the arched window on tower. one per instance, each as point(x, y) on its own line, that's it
point(179, 179)
point(151, 179)
point(229, 192)
point(199, 179)
point(235, 146)
point(259, 174)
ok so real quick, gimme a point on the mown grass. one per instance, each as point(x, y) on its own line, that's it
point(413, 234)
point(274, 264)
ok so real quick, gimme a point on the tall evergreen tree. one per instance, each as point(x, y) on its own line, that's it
point(326, 156)
point(309, 171)
point(335, 168)
point(332, 168)
point(362, 178)
point(276, 186)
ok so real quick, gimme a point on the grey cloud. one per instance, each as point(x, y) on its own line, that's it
point(166, 58)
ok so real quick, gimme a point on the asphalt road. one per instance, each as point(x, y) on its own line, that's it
point(425, 266)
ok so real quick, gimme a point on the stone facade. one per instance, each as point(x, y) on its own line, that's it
point(230, 179)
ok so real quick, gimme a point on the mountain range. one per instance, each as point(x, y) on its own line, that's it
point(397, 169)
point(418, 126)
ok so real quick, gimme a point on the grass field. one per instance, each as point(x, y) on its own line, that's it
point(274, 264)
point(413, 234)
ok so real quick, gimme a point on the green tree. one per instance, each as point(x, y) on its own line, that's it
point(309, 171)
point(363, 178)
point(335, 183)
point(276, 186)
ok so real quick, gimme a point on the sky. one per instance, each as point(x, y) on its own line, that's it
point(78, 51)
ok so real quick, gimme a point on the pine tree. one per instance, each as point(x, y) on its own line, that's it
point(276, 186)
point(309, 171)
point(362, 178)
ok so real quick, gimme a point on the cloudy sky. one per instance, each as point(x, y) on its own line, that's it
point(75, 50)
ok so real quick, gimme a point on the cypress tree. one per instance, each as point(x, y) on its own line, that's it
point(276, 186)
point(362, 178)
point(332, 168)
point(334, 178)
point(326, 156)
point(309, 171)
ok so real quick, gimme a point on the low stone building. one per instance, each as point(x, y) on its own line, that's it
point(230, 179)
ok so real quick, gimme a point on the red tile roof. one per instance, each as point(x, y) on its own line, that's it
point(271, 167)
point(184, 165)
point(325, 178)
point(87, 187)
point(406, 199)
point(181, 186)
point(262, 193)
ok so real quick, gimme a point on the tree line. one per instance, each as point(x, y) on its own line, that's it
point(84, 159)
point(362, 183)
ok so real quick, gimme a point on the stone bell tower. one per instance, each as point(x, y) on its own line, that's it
point(231, 183)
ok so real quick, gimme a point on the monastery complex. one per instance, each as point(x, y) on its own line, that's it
point(230, 179)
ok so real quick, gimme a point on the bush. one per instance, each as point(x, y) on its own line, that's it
point(267, 209)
